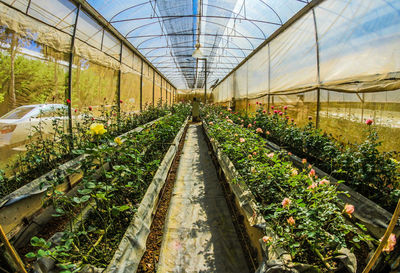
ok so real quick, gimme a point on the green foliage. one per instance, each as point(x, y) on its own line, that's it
point(374, 174)
point(312, 222)
point(112, 194)
point(46, 151)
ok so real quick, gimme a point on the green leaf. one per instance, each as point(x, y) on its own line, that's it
point(41, 253)
point(30, 255)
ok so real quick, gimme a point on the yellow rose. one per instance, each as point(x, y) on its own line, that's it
point(118, 141)
point(97, 129)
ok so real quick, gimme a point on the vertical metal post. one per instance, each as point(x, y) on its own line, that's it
point(28, 6)
point(119, 85)
point(205, 81)
point(69, 95)
point(154, 76)
point(269, 79)
point(247, 89)
point(161, 90)
point(166, 94)
point(318, 70)
point(141, 87)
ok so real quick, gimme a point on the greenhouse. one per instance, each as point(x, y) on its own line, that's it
point(233, 136)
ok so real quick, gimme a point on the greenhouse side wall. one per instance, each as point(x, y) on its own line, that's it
point(338, 69)
point(59, 55)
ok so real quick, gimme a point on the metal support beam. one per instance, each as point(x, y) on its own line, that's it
point(141, 87)
point(290, 22)
point(161, 91)
point(171, 17)
point(205, 81)
point(269, 79)
point(191, 47)
point(69, 95)
point(119, 86)
point(84, 5)
point(154, 76)
point(191, 34)
point(317, 121)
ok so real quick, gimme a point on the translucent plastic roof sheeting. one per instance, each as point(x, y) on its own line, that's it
point(346, 45)
point(166, 32)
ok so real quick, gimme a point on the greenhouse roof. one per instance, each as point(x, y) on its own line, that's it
point(166, 32)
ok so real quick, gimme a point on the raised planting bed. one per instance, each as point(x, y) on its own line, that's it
point(361, 164)
point(305, 229)
point(46, 152)
point(116, 207)
point(18, 209)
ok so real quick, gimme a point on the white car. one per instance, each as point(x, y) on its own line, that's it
point(17, 125)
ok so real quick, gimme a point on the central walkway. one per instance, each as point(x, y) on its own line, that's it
point(199, 235)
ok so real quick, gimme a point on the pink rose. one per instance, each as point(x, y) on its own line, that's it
point(289, 153)
point(312, 186)
point(211, 123)
point(285, 107)
point(267, 132)
point(304, 161)
point(369, 121)
point(324, 182)
point(254, 153)
point(349, 209)
point(267, 239)
point(259, 130)
point(280, 113)
point(272, 107)
point(250, 156)
point(248, 126)
point(291, 221)
point(270, 155)
point(312, 173)
point(389, 245)
point(275, 111)
point(286, 202)
point(241, 140)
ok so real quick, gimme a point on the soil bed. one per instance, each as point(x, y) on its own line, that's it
point(153, 244)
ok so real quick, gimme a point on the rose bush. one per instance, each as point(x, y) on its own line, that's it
point(302, 210)
point(374, 174)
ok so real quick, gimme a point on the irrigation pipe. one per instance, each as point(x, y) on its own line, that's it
point(11, 250)
point(385, 237)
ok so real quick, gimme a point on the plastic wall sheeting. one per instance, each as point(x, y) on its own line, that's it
point(345, 51)
point(37, 40)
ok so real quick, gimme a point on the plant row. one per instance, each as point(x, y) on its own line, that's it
point(362, 166)
point(301, 209)
point(47, 149)
point(113, 198)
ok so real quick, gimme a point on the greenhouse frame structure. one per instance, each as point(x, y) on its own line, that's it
point(111, 50)
point(120, 67)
